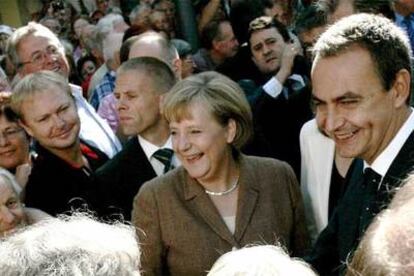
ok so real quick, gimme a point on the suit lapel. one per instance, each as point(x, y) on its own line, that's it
point(138, 163)
point(351, 212)
point(247, 199)
point(399, 170)
point(201, 204)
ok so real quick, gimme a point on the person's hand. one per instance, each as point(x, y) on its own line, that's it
point(5, 97)
point(22, 174)
point(286, 64)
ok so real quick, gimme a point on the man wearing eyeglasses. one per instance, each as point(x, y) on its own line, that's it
point(33, 48)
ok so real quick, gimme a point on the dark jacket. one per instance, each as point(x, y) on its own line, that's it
point(182, 233)
point(356, 211)
point(121, 178)
point(55, 186)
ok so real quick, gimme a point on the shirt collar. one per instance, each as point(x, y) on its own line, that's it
point(149, 148)
point(75, 89)
point(383, 162)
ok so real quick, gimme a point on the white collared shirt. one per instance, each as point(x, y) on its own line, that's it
point(94, 130)
point(273, 87)
point(383, 162)
point(149, 150)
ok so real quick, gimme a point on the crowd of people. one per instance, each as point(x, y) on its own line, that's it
point(275, 148)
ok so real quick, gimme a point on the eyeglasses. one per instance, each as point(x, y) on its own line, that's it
point(38, 58)
point(11, 133)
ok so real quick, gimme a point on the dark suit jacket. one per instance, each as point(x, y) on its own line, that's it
point(356, 211)
point(121, 177)
point(54, 186)
point(182, 233)
point(279, 121)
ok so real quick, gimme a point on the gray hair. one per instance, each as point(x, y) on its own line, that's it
point(107, 23)
point(136, 11)
point(259, 260)
point(112, 43)
point(11, 180)
point(23, 32)
point(69, 246)
point(92, 41)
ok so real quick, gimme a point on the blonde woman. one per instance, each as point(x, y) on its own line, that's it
point(219, 199)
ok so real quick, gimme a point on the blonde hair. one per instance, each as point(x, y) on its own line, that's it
point(221, 96)
point(36, 83)
point(23, 32)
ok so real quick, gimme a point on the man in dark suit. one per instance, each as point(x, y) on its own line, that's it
point(140, 86)
point(280, 97)
point(361, 90)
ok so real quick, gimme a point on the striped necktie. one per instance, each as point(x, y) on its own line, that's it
point(165, 156)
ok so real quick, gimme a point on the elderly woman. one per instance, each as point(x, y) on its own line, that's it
point(219, 199)
point(71, 245)
point(260, 260)
point(12, 213)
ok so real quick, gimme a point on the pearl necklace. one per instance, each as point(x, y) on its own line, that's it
point(232, 188)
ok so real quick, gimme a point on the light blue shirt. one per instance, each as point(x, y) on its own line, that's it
point(399, 21)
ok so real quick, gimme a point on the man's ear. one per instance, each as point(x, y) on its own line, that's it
point(401, 88)
point(160, 103)
point(25, 127)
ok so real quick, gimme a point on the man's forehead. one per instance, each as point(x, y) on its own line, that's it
point(38, 37)
point(133, 82)
point(265, 33)
point(130, 78)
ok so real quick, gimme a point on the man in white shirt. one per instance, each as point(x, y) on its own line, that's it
point(33, 48)
point(361, 79)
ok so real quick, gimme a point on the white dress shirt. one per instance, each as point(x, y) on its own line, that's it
point(149, 150)
point(94, 130)
point(383, 162)
point(273, 87)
